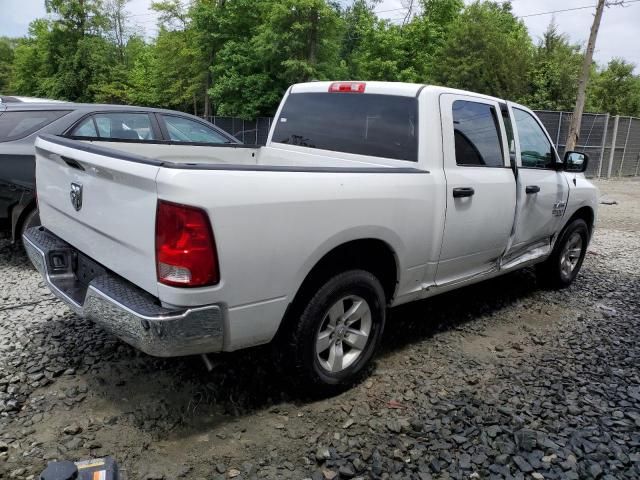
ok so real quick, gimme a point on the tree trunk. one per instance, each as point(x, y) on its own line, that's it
point(313, 38)
point(208, 81)
point(120, 31)
point(576, 119)
point(83, 18)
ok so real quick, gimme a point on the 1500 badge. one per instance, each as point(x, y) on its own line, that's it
point(558, 209)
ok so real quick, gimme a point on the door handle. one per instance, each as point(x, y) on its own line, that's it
point(532, 189)
point(463, 192)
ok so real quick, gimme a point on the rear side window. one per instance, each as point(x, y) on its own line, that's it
point(116, 126)
point(365, 124)
point(477, 134)
point(182, 129)
point(15, 125)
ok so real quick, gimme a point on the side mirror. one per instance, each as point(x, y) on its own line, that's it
point(575, 162)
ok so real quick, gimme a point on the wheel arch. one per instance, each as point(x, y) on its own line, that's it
point(19, 213)
point(585, 213)
point(371, 254)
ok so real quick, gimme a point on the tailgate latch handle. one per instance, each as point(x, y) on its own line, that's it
point(72, 163)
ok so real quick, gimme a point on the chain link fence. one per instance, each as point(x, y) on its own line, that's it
point(252, 132)
point(612, 142)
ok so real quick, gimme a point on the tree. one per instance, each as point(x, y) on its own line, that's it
point(116, 87)
point(7, 47)
point(78, 16)
point(358, 21)
point(118, 32)
point(616, 89)
point(173, 14)
point(141, 88)
point(291, 41)
point(488, 50)
point(66, 57)
point(215, 22)
point(425, 35)
point(380, 54)
point(33, 67)
point(382, 50)
point(299, 40)
point(554, 72)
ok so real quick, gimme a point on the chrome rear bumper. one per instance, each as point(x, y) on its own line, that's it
point(120, 307)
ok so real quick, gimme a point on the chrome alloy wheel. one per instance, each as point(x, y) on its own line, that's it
point(343, 334)
point(570, 255)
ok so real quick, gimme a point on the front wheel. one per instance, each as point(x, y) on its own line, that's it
point(338, 332)
point(562, 267)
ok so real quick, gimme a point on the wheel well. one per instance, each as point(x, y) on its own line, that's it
point(586, 214)
point(22, 216)
point(371, 255)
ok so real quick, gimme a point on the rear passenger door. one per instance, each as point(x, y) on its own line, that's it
point(481, 188)
point(542, 189)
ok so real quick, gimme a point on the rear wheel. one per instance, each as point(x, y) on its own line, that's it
point(338, 332)
point(562, 267)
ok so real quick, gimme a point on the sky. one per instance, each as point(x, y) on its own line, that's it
point(618, 36)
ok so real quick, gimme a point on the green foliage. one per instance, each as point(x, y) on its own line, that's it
point(32, 67)
point(488, 50)
point(7, 47)
point(282, 43)
point(237, 57)
point(381, 50)
point(78, 17)
point(64, 58)
point(555, 72)
point(616, 89)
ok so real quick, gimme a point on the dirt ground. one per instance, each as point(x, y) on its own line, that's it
point(70, 391)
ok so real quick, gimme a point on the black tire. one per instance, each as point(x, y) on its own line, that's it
point(551, 273)
point(303, 358)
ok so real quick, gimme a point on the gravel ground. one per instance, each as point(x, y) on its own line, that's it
point(498, 380)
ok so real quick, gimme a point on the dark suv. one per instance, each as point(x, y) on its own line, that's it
point(21, 122)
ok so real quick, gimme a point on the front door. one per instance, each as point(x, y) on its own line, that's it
point(481, 188)
point(542, 190)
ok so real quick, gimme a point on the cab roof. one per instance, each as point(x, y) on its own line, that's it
point(386, 88)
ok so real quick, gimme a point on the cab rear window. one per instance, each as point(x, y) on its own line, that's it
point(16, 125)
point(365, 124)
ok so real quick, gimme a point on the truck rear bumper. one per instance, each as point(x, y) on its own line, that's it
point(120, 307)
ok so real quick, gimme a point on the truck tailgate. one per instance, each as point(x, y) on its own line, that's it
point(112, 219)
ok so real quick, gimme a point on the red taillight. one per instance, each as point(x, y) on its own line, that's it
point(185, 249)
point(347, 87)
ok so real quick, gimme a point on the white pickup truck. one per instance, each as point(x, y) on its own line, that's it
point(366, 196)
